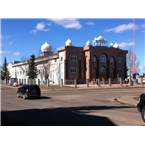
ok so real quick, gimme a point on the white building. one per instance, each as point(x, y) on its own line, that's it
point(55, 63)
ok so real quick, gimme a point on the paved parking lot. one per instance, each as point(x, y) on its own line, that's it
point(70, 108)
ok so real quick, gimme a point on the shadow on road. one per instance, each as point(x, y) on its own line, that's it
point(42, 97)
point(71, 116)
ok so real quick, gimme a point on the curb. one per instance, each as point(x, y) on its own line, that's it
point(88, 88)
point(127, 103)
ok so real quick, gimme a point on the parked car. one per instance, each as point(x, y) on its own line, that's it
point(29, 91)
point(141, 106)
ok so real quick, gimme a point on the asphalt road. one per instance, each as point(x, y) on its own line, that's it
point(70, 108)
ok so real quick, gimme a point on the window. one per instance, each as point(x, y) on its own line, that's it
point(120, 60)
point(93, 59)
point(111, 70)
point(103, 58)
point(33, 88)
point(73, 58)
point(39, 71)
point(24, 87)
point(102, 69)
point(120, 70)
point(93, 70)
point(111, 59)
point(73, 69)
point(43, 71)
point(55, 60)
point(61, 59)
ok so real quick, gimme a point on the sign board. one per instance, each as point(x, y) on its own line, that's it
point(134, 76)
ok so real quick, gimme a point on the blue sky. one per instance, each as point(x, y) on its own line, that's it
point(24, 37)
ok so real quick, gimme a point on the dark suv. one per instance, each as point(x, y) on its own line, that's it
point(29, 91)
point(141, 106)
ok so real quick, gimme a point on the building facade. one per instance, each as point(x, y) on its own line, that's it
point(71, 62)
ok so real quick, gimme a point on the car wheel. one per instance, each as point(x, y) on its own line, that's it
point(143, 113)
point(18, 96)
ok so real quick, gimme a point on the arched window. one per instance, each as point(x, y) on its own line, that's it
point(102, 69)
point(93, 59)
point(103, 58)
point(93, 70)
point(111, 70)
point(111, 59)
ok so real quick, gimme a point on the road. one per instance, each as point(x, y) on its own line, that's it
point(70, 108)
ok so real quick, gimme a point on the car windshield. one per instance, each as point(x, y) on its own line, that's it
point(33, 87)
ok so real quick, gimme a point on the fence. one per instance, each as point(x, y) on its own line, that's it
point(79, 81)
point(69, 82)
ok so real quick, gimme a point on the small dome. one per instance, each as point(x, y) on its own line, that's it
point(95, 39)
point(68, 42)
point(100, 39)
point(45, 47)
point(116, 45)
point(111, 44)
point(88, 43)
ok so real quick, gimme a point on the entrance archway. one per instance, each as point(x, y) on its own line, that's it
point(102, 73)
point(111, 73)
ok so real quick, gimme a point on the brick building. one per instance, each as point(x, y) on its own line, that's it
point(71, 62)
point(97, 61)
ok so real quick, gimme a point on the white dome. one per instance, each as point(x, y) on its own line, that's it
point(68, 42)
point(100, 38)
point(111, 44)
point(88, 43)
point(45, 47)
point(116, 45)
point(95, 39)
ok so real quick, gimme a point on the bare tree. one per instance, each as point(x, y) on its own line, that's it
point(25, 58)
point(130, 62)
point(24, 68)
point(47, 67)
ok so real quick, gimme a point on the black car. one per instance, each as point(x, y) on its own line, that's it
point(141, 106)
point(29, 91)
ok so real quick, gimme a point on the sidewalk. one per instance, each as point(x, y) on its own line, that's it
point(128, 100)
point(84, 86)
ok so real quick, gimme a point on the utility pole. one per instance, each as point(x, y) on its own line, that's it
point(133, 46)
point(134, 76)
